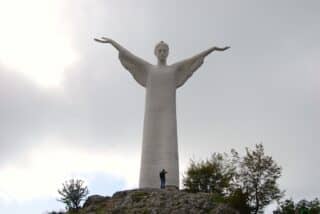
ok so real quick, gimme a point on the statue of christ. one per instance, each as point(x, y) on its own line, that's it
point(160, 143)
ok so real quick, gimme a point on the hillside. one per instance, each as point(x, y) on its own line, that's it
point(154, 201)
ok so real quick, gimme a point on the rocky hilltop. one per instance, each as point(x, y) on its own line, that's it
point(154, 201)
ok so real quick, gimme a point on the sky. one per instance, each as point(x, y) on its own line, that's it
point(70, 110)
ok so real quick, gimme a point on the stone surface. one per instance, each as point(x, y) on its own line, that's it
point(94, 199)
point(155, 201)
point(160, 144)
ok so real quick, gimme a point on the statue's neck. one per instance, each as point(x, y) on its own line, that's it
point(162, 62)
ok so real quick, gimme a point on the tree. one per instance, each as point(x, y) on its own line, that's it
point(248, 183)
point(314, 206)
point(72, 193)
point(239, 201)
point(286, 207)
point(302, 207)
point(214, 175)
point(257, 176)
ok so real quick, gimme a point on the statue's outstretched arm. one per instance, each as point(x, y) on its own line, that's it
point(185, 68)
point(137, 66)
point(122, 50)
point(200, 56)
point(207, 52)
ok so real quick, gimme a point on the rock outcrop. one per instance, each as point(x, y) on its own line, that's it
point(154, 201)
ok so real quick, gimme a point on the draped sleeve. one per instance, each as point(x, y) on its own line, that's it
point(136, 66)
point(186, 68)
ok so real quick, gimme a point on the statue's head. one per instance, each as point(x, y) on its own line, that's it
point(161, 50)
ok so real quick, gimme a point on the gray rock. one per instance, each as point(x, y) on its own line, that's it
point(155, 201)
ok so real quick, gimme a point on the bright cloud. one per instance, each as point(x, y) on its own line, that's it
point(34, 40)
point(46, 167)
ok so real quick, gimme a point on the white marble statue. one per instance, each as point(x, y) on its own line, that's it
point(160, 144)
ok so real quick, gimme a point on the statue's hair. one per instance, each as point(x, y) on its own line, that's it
point(161, 43)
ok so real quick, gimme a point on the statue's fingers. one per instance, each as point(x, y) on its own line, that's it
point(105, 38)
point(102, 41)
point(219, 49)
point(98, 40)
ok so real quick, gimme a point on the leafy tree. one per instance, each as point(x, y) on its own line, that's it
point(287, 207)
point(257, 176)
point(302, 207)
point(247, 183)
point(214, 175)
point(72, 193)
point(314, 206)
point(238, 200)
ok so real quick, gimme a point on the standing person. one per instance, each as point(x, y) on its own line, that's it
point(163, 178)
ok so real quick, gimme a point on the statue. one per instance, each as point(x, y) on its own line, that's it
point(159, 146)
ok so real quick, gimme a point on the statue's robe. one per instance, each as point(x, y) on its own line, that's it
point(160, 143)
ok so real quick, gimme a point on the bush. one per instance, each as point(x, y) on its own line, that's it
point(211, 176)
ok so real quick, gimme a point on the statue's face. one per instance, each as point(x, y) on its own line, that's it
point(162, 52)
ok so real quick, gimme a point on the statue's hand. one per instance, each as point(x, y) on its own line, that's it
point(104, 40)
point(221, 49)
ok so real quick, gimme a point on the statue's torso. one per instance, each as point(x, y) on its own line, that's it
point(163, 74)
point(160, 149)
point(161, 87)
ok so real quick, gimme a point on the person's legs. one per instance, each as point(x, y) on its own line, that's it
point(162, 183)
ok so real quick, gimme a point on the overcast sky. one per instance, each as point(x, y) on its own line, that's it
point(69, 109)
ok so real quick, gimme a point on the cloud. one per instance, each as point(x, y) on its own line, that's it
point(37, 47)
point(47, 166)
point(265, 88)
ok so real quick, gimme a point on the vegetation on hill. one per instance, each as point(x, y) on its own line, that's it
point(247, 183)
point(73, 192)
point(288, 206)
point(223, 183)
